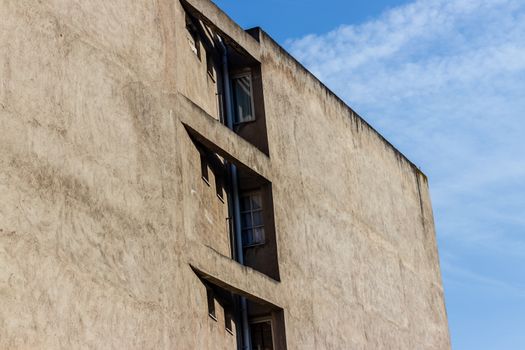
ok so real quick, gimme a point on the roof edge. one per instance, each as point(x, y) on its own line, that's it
point(256, 32)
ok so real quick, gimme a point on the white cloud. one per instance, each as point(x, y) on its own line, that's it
point(425, 45)
point(444, 80)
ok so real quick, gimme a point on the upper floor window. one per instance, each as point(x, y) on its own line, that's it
point(211, 303)
point(252, 219)
point(243, 97)
point(261, 335)
point(193, 37)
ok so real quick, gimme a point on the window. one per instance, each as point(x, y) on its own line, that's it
point(193, 37)
point(261, 334)
point(210, 67)
point(216, 164)
point(219, 186)
point(252, 219)
point(243, 97)
point(228, 321)
point(211, 303)
point(204, 168)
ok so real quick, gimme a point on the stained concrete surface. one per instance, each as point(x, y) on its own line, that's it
point(101, 195)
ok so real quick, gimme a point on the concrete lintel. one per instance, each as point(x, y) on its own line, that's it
point(237, 37)
point(222, 140)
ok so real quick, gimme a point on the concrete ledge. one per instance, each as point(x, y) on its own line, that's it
point(222, 140)
point(230, 275)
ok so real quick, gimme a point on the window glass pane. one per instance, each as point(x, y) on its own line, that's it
point(219, 186)
point(246, 220)
point(261, 335)
point(257, 218)
point(252, 221)
point(245, 203)
point(248, 236)
point(258, 235)
point(228, 321)
point(211, 302)
point(204, 168)
point(243, 98)
point(256, 202)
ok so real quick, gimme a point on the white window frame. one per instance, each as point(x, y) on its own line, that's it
point(253, 226)
point(246, 73)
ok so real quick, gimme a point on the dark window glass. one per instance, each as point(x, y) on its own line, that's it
point(252, 219)
point(204, 168)
point(219, 186)
point(211, 303)
point(228, 321)
point(261, 334)
point(242, 91)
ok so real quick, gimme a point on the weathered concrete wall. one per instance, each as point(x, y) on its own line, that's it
point(101, 207)
point(359, 212)
point(91, 214)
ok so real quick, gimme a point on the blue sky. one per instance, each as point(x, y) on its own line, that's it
point(444, 81)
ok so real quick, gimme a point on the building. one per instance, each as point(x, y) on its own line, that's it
point(171, 181)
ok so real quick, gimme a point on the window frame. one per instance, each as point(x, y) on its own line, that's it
point(210, 298)
point(193, 37)
point(210, 67)
point(251, 194)
point(245, 73)
point(205, 175)
point(264, 319)
point(228, 321)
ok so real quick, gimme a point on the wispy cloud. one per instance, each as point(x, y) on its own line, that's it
point(444, 81)
point(463, 276)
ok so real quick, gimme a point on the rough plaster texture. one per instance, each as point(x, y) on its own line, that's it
point(101, 210)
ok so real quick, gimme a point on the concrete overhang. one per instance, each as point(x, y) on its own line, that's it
point(216, 19)
point(228, 274)
point(218, 138)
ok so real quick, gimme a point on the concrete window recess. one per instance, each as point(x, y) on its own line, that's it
point(236, 82)
point(249, 218)
point(255, 323)
point(266, 327)
point(258, 223)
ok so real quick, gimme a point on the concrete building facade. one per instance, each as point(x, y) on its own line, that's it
point(169, 180)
